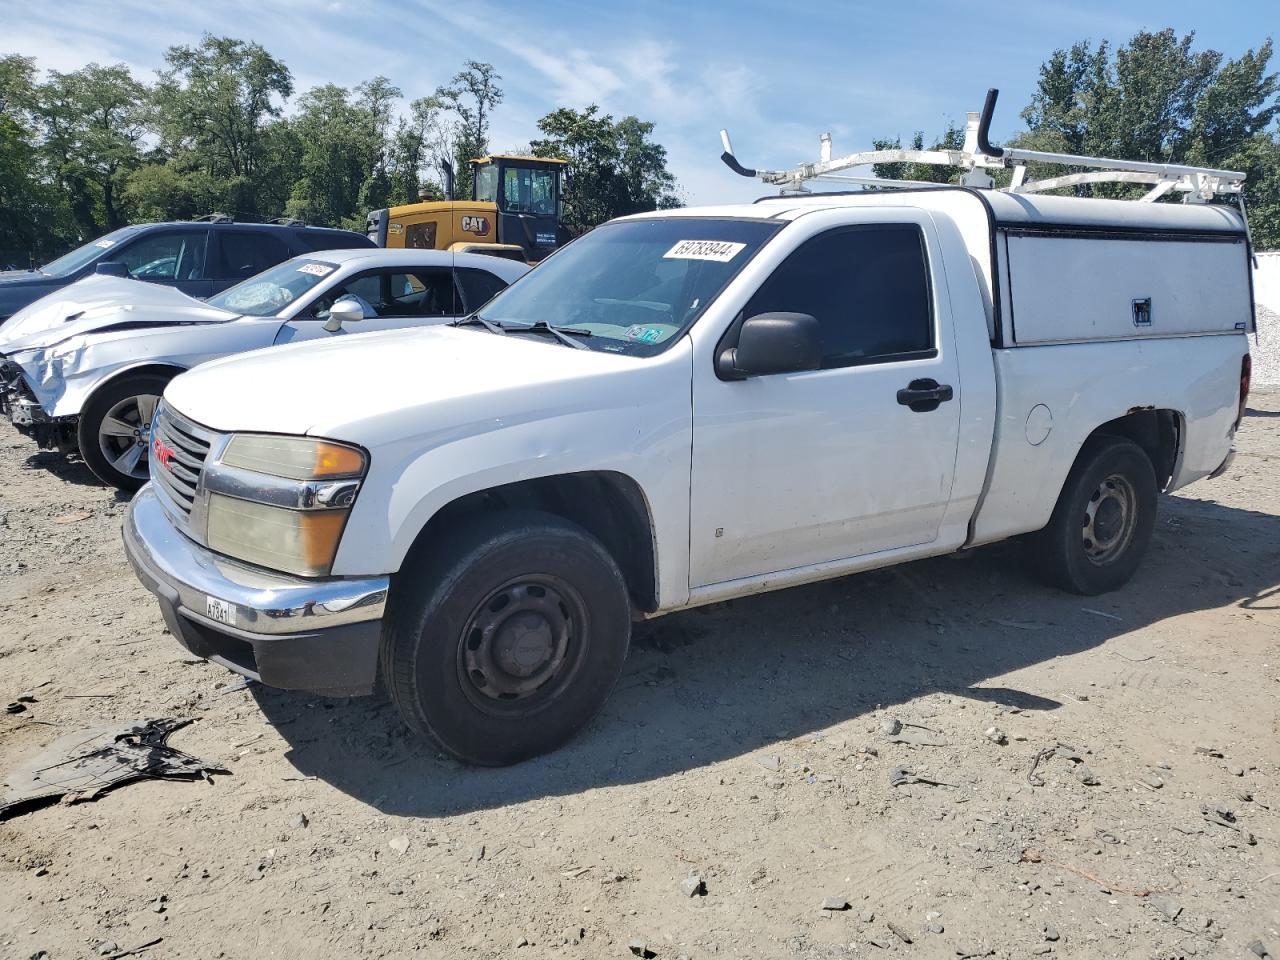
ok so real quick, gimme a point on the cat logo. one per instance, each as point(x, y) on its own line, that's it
point(477, 225)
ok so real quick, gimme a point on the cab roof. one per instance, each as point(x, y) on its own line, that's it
point(524, 158)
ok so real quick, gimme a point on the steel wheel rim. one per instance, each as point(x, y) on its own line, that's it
point(1110, 518)
point(522, 645)
point(124, 436)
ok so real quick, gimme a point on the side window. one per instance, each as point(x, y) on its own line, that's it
point(172, 255)
point(424, 293)
point(868, 287)
point(365, 287)
point(396, 293)
point(421, 236)
point(244, 253)
point(478, 287)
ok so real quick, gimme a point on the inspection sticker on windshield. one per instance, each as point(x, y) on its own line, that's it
point(104, 243)
point(221, 610)
point(316, 269)
point(721, 251)
point(643, 334)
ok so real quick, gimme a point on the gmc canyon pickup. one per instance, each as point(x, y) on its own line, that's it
point(685, 407)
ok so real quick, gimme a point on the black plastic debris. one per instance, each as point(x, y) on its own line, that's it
point(84, 764)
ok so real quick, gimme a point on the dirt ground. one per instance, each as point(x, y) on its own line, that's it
point(745, 745)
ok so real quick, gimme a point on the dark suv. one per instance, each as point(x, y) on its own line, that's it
point(199, 258)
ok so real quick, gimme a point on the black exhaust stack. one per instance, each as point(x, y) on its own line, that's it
point(984, 125)
point(447, 167)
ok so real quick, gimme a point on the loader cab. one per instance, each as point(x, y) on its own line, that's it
point(528, 193)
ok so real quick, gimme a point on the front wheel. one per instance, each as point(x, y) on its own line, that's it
point(1103, 520)
point(114, 433)
point(506, 636)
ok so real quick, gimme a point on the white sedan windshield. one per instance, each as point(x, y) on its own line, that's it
point(271, 291)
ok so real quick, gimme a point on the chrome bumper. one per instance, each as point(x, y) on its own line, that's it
point(318, 635)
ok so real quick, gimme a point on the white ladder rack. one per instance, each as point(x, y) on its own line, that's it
point(1200, 184)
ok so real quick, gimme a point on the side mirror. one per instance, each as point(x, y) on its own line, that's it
point(772, 343)
point(346, 310)
point(111, 268)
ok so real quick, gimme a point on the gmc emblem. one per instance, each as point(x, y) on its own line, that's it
point(164, 453)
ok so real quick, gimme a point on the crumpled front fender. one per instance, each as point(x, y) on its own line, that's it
point(63, 377)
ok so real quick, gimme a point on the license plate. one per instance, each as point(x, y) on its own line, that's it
point(221, 610)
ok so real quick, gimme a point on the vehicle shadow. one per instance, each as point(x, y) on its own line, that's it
point(706, 685)
point(67, 467)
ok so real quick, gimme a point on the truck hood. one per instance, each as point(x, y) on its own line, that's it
point(345, 386)
point(99, 303)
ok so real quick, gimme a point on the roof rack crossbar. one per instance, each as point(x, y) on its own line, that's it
point(1199, 183)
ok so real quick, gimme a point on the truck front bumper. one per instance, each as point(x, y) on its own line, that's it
point(316, 635)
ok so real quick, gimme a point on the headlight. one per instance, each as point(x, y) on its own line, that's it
point(282, 502)
point(296, 458)
point(301, 542)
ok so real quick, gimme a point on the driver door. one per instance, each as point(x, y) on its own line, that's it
point(392, 298)
point(792, 470)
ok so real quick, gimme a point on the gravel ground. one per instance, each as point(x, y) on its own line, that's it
point(1266, 345)
point(750, 745)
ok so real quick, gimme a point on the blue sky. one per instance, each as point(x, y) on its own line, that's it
point(776, 79)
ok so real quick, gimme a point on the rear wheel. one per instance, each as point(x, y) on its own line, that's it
point(506, 637)
point(1103, 520)
point(114, 433)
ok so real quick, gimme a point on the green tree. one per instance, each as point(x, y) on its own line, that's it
point(951, 139)
point(23, 194)
point(92, 122)
point(342, 142)
point(1157, 99)
point(616, 169)
point(375, 99)
point(169, 191)
point(28, 206)
point(420, 142)
point(216, 108)
point(471, 96)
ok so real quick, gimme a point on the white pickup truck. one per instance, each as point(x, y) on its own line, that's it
point(685, 407)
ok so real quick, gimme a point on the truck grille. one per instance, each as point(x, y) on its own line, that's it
point(178, 452)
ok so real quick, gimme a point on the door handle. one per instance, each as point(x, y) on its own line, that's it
point(925, 395)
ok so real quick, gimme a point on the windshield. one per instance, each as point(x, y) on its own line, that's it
point(69, 263)
point(526, 190)
point(635, 284)
point(269, 292)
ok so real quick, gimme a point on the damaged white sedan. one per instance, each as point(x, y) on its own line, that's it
point(84, 368)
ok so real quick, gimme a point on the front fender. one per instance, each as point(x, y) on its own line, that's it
point(63, 377)
point(638, 425)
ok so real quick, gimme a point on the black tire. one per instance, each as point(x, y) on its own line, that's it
point(103, 453)
point(466, 618)
point(1103, 520)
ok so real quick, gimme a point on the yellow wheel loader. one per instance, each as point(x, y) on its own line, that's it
point(514, 212)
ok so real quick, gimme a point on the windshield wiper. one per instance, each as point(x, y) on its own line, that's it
point(476, 320)
point(563, 334)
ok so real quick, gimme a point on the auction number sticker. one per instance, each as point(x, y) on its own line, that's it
point(221, 610)
point(721, 251)
point(316, 269)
